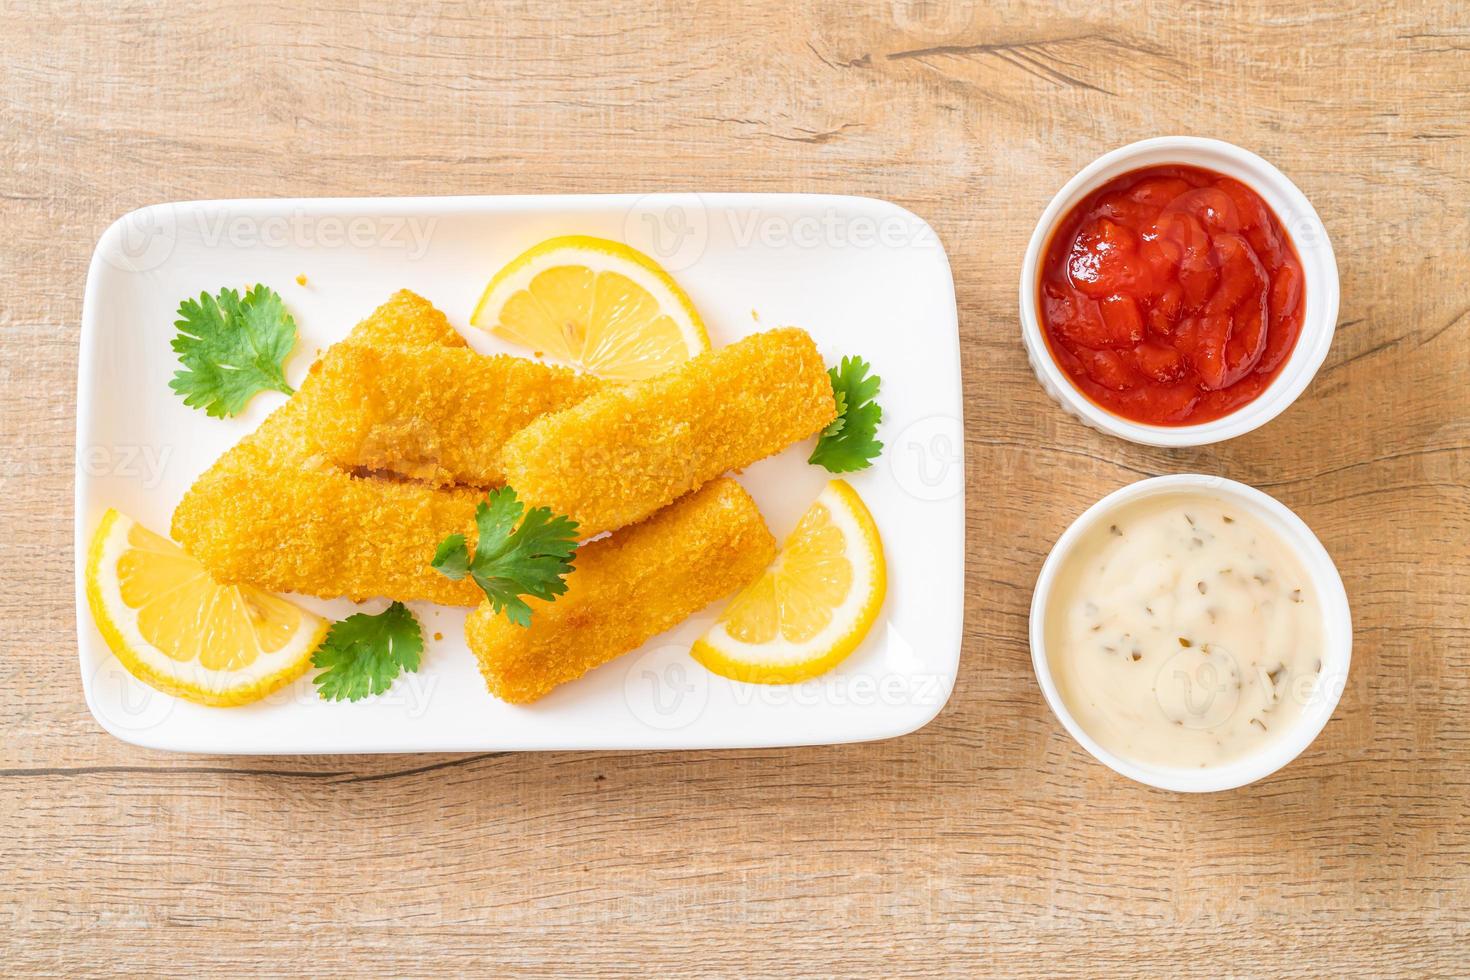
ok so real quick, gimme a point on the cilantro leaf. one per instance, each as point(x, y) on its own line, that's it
point(509, 562)
point(849, 443)
point(232, 348)
point(363, 654)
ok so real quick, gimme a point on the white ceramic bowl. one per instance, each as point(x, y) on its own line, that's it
point(1337, 633)
point(1297, 217)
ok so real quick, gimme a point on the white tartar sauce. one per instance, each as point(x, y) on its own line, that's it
point(1183, 632)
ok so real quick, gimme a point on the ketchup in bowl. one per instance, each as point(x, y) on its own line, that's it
point(1171, 295)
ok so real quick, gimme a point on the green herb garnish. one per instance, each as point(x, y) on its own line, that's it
point(849, 442)
point(510, 561)
point(232, 348)
point(363, 654)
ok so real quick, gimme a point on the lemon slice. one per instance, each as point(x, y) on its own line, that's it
point(176, 629)
point(813, 606)
point(596, 305)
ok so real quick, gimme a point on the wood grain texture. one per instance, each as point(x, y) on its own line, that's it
point(987, 842)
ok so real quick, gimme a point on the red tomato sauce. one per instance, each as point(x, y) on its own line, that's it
point(1171, 295)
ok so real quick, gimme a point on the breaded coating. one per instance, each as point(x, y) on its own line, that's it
point(406, 320)
point(269, 514)
point(319, 531)
point(624, 589)
point(435, 414)
point(626, 451)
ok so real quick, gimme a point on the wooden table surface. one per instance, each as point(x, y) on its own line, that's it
point(988, 841)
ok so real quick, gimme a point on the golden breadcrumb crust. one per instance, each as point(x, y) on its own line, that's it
point(406, 320)
point(271, 515)
point(623, 453)
point(435, 414)
point(626, 588)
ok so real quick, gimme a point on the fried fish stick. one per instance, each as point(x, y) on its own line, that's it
point(268, 514)
point(436, 414)
point(625, 452)
point(405, 320)
point(313, 529)
point(626, 588)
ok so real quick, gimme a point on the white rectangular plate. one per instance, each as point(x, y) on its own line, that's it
point(863, 276)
